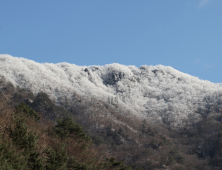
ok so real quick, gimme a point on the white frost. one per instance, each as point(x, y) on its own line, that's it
point(159, 93)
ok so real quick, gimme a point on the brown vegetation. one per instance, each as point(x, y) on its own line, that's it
point(115, 132)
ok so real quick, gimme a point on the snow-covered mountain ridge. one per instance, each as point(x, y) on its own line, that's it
point(158, 93)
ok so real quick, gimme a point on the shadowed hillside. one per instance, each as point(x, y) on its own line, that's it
point(29, 142)
point(114, 132)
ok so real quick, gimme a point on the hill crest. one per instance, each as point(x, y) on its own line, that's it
point(158, 93)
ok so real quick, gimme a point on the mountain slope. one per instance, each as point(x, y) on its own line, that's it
point(158, 93)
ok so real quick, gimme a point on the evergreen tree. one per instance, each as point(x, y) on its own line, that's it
point(57, 159)
point(66, 127)
point(25, 109)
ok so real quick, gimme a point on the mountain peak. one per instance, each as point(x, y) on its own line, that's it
point(157, 93)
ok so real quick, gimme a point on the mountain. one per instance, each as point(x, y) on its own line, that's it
point(159, 94)
point(154, 117)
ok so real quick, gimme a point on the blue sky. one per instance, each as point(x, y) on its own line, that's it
point(183, 34)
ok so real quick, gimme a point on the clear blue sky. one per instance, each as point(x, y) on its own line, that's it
point(183, 34)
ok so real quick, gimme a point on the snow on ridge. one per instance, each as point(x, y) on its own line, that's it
point(159, 93)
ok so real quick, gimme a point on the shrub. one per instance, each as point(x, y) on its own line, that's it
point(66, 127)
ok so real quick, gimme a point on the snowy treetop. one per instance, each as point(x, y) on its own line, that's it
point(158, 93)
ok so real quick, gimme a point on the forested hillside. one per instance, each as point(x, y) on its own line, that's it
point(28, 141)
point(110, 134)
point(153, 117)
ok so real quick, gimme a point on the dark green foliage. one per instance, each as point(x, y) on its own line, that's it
point(25, 109)
point(21, 137)
point(43, 104)
point(18, 150)
point(57, 159)
point(10, 158)
point(97, 140)
point(67, 127)
point(43, 100)
point(26, 141)
point(34, 162)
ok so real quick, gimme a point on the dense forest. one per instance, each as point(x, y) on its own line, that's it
point(28, 141)
point(36, 133)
